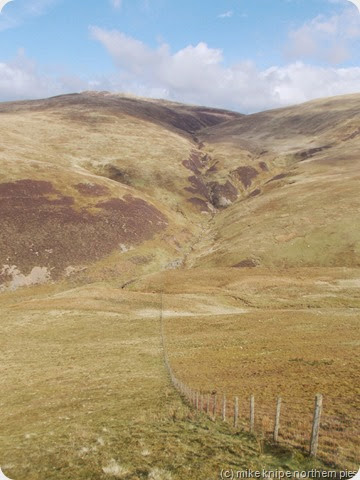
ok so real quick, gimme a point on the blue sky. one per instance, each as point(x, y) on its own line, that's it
point(247, 55)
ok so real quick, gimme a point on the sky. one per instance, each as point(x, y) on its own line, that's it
point(246, 55)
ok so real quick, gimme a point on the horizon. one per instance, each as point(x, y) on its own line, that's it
point(159, 99)
point(244, 56)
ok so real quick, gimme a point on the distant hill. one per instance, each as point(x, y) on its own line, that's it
point(298, 169)
point(97, 185)
point(88, 176)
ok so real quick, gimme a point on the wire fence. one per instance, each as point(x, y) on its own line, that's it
point(332, 438)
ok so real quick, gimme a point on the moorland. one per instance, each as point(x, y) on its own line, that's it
point(243, 229)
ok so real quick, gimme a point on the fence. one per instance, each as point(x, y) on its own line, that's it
point(333, 439)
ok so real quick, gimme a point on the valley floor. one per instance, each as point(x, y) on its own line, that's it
point(85, 395)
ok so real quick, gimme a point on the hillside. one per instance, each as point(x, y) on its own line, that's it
point(91, 175)
point(299, 180)
point(240, 232)
point(127, 172)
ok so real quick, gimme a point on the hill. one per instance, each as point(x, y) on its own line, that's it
point(297, 169)
point(129, 172)
point(241, 232)
point(90, 175)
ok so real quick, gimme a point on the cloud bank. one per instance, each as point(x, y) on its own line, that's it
point(197, 74)
point(22, 79)
point(331, 40)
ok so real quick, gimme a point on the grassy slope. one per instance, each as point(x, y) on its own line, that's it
point(296, 336)
point(291, 229)
point(86, 395)
point(90, 149)
point(324, 303)
point(308, 215)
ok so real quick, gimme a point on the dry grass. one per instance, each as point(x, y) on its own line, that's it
point(123, 151)
point(85, 395)
point(307, 217)
point(294, 354)
point(300, 288)
point(297, 336)
point(290, 353)
point(305, 220)
point(142, 143)
point(85, 391)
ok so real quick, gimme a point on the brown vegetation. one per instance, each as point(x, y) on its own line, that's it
point(251, 230)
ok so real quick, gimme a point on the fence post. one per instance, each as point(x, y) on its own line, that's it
point(201, 401)
point(236, 411)
point(208, 403)
point(277, 420)
point(252, 413)
point(214, 407)
point(224, 408)
point(316, 425)
point(197, 400)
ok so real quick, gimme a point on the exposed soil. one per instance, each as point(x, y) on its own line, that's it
point(219, 195)
point(117, 174)
point(278, 177)
point(247, 263)
point(222, 195)
point(255, 192)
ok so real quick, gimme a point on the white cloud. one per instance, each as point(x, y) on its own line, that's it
point(197, 74)
point(194, 74)
point(298, 82)
point(13, 17)
point(326, 39)
point(116, 3)
point(21, 79)
point(227, 14)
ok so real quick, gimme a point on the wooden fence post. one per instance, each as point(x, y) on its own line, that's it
point(252, 413)
point(316, 425)
point(224, 408)
point(236, 411)
point(201, 402)
point(208, 403)
point(214, 407)
point(197, 400)
point(277, 420)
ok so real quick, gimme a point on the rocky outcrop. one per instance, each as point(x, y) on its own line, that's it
point(209, 192)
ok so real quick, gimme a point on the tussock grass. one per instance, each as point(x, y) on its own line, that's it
point(86, 395)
